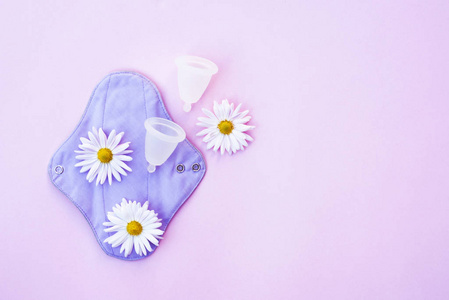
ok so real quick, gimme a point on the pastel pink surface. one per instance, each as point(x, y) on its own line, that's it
point(342, 195)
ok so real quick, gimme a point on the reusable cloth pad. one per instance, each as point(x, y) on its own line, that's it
point(123, 101)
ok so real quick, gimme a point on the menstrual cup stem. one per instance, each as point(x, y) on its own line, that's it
point(187, 107)
point(151, 168)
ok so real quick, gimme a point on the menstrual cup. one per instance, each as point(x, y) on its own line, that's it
point(161, 140)
point(194, 74)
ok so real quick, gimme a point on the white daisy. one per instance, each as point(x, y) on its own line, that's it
point(103, 156)
point(226, 128)
point(136, 226)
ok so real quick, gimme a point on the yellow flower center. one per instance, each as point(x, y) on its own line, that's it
point(104, 155)
point(226, 127)
point(134, 228)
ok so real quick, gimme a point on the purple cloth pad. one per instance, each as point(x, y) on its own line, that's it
point(123, 101)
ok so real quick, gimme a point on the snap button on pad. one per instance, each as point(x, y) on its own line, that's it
point(196, 167)
point(180, 168)
point(59, 169)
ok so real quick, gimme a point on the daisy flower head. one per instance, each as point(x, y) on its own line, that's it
point(103, 156)
point(135, 226)
point(225, 127)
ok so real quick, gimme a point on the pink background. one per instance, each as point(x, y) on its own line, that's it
point(342, 195)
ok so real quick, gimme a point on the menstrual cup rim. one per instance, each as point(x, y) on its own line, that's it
point(172, 139)
point(209, 66)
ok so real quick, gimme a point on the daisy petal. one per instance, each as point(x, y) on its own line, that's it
point(136, 245)
point(109, 174)
point(240, 138)
point(211, 136)
point(93, 170)
point(120, 239)
point(89, 156)
point(218, 142)
point(156, 232)
point(125, 152)
point(129, 247)
point(115, 228)
point(110, 139)
point(242, 114)
point(208, 121)
point(151, 238)
point(88, 147)
point(116, 167)
point(206, 131)
point(209, 114)
point(93, 139)
point(227, 143)
point(123, 165)
point(115, 220)
point(116, 174)
point(242, 120)
point(86, 141)
point(102, 137)
point(225, 108)
point(234, 143)
point(236, 111)
point(95, 133)
point(142, 246)
point(153, 225)
point(123, 157)
point(204, 125)
point(147, 245)
point(86, 162)
point(85, 168)
point(83, 151)
point(117, 140)
point(248, 137)
point(217, 110)
point(121, 147)
point(211, 144)
point(243, 127)
point(100, 173)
